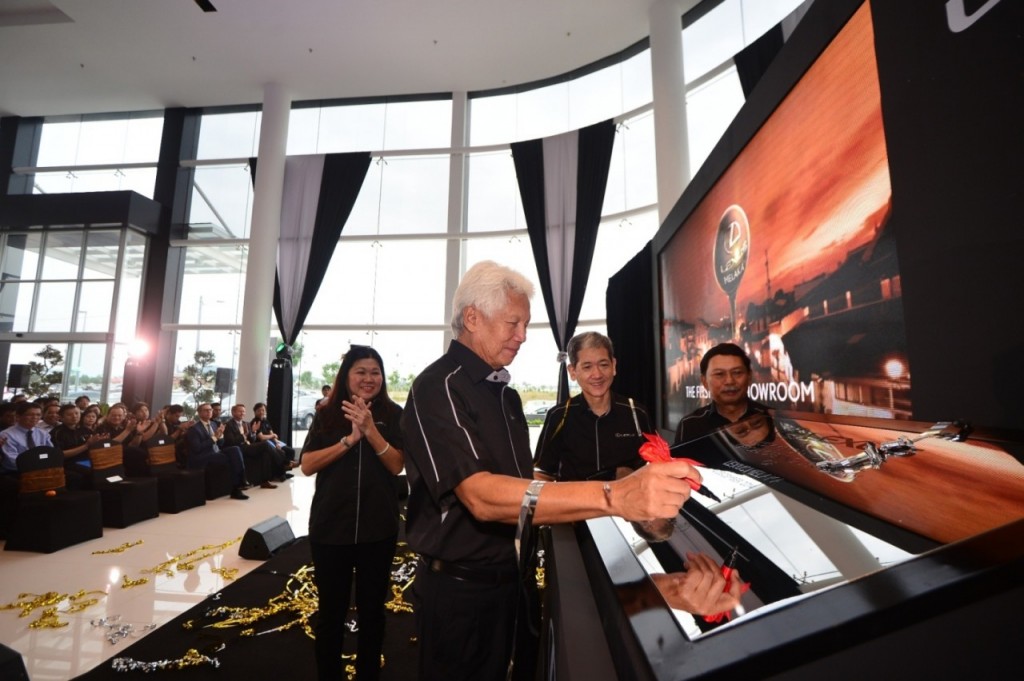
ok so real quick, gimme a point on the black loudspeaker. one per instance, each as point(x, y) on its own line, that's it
point(12, 667)
point(264, 539)
point(225, 377)
point(135, 386)
point(17, 376)
point(279, 399)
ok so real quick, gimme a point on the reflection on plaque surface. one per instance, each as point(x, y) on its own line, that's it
point(808, 504)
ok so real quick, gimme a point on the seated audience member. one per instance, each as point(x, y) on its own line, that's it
point(74, 441)
point(19, 438)
point(260, 428)
point(203, 439)
point(90, 418)
point(8, 417)
point(174, 425)
point(123, 430)
point(82, 402)
point(596, 432)
point(51, 416)
point(23, 436)
point(20, 397)
point(146, 428)
point(217, 417)
point(237, 434)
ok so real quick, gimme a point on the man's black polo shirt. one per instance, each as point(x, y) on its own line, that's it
point(577, 444)
point(457, 423)
point(702, 422)
point(65, 438)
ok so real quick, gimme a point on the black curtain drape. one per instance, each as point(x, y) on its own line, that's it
point(341, 180)
point(630, 301)
point(753, 60)
point(563, 231)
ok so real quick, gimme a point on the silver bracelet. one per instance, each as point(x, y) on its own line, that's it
point(526, 510)
point(344, 441)
point(385, 450)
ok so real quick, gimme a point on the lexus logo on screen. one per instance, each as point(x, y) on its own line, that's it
point(732, 246)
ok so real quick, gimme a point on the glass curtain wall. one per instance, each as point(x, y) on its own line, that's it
point(73, 293)
point(95, 153)
point(393, 252)
point(69, 306)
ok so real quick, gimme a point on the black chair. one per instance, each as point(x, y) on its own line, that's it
point(47, 517)
point(178, 489)
point(217, 475)
point(126, 501)
point(218, 480)
point(257, 464)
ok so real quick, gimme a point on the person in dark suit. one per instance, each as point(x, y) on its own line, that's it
point(204, 440)
point(238, 434)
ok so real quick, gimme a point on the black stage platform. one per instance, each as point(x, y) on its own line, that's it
point(286, 654)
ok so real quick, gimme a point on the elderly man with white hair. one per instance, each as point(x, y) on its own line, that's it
point(469, 465)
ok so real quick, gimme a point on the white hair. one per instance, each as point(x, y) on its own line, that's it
point(487, 287)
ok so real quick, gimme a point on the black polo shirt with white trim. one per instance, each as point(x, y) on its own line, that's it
point(577, 444)
point(461, 419)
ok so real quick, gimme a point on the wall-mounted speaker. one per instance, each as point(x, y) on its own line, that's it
point(264, 539)
point(17, 376)
point(225, 377)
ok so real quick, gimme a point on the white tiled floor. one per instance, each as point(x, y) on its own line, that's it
point(57, 654)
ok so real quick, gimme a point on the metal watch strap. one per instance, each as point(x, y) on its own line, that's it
point(526, 510)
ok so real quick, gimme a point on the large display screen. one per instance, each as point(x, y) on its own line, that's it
point(790, 255)
point(853, 229)
point(854, 232)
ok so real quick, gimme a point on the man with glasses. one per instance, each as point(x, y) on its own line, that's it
point(725, 373)
point(204, 440)
point(23, 436)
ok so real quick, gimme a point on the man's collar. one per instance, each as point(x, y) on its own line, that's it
point(477, 369)
point(499, 376)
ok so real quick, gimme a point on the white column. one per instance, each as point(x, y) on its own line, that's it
point(669, 90)
point(457, 182)
point(257, 308)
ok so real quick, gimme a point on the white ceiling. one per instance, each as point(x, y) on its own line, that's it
point(85, 56)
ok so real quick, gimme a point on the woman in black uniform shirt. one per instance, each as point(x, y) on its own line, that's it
point(355, 448)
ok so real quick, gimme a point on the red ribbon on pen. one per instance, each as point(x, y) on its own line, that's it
point(727, 570)
point(656, 450)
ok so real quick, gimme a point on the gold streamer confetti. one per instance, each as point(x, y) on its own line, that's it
point(118, 549)
point(127, 583)
point(297, 603)
point(49, 603)
point(187, 561)
point(227, 573)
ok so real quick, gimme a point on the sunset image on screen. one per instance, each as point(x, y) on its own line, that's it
point(789, 255)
